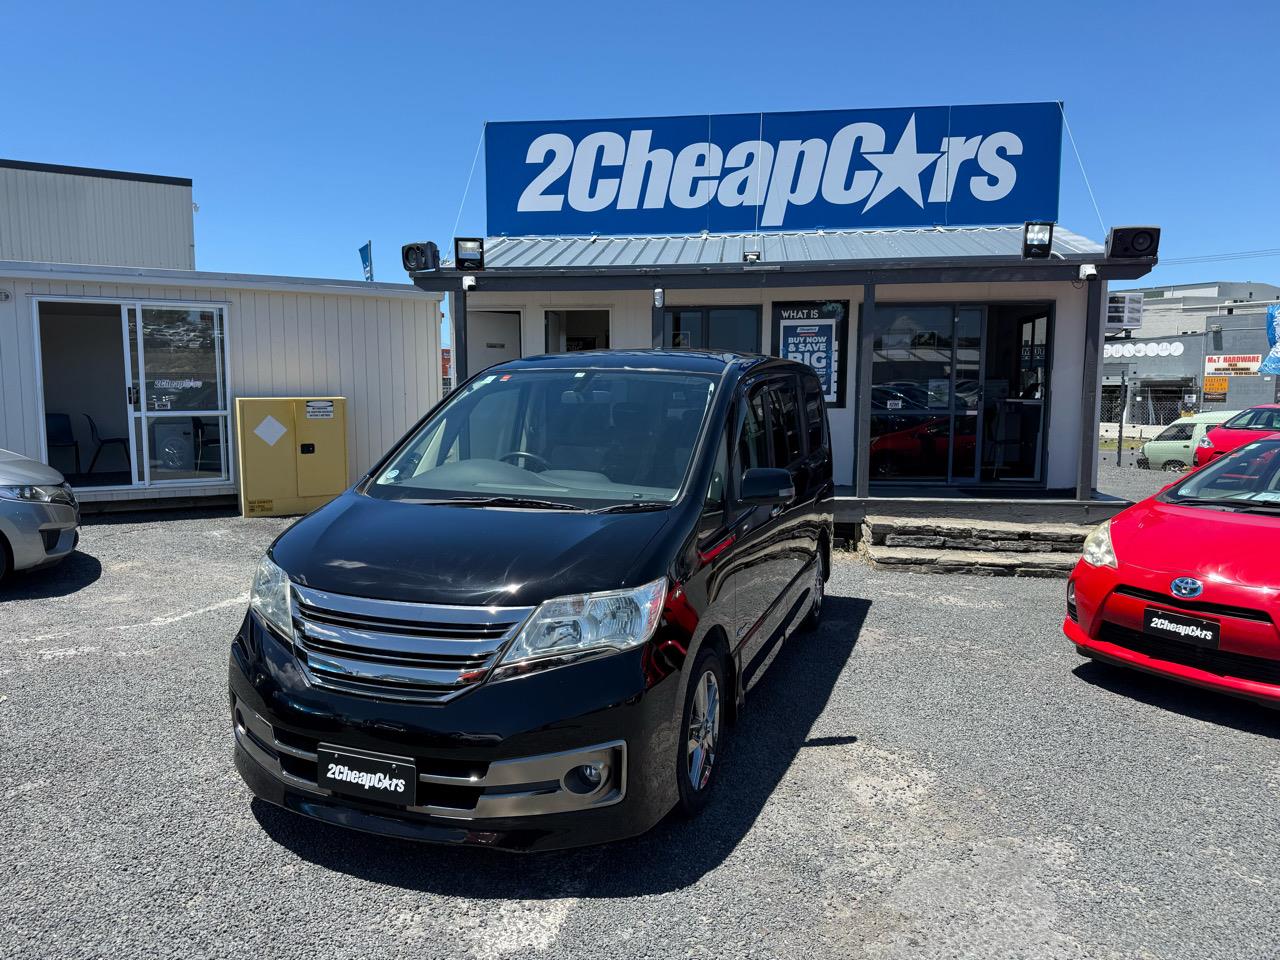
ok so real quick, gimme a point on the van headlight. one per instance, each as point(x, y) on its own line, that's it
point(566, 629)
point(270, 597)
point(1098, 551)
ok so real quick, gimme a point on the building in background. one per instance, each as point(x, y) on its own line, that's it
point(1198, 349)
point(120, 364)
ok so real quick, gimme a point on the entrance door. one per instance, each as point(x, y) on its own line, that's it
point(957, 393)
point(135, 394)
point(1014, 386)
point(178, 392)
point(926, 371)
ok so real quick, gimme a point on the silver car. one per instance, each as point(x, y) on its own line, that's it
point(39, 516)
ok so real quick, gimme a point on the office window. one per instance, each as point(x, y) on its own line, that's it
point(712, 328)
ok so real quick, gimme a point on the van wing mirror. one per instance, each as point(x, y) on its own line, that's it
point(766, 486)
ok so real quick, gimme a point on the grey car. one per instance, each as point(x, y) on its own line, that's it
point(39, 516)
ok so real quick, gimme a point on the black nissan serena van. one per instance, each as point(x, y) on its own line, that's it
point(529, 625)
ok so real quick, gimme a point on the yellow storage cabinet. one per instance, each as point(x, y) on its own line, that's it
point(292, 453)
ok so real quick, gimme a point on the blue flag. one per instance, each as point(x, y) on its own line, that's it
point(366, 259)
point(1271, 363)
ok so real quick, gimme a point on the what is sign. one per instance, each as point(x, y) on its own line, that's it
point(809, 332)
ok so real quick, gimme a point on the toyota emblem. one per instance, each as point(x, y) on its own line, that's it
point(1186, 588)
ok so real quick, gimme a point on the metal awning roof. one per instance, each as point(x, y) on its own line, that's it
point(812, 258)
point(821, 246)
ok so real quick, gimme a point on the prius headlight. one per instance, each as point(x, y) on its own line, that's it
point(1097, 546)
point(270, 596)
point(569, 628)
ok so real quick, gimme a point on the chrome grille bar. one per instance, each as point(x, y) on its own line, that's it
point(396, 650)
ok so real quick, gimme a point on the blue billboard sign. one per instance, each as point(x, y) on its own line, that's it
point(739, 173)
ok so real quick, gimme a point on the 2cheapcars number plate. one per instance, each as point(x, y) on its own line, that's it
point(369, 776)
point(1176, 626)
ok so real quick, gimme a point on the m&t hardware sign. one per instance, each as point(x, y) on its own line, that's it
point(809, 331)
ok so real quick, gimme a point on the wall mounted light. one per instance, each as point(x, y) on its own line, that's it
point(468, 253)
point(658, 297)
point(751, 256)
point(1037, 240)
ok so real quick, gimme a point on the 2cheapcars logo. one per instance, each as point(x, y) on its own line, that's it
point(1181, 629)
point(377, 781)
point(608, 170)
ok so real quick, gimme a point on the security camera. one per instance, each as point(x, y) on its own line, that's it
point(468, 283)
point(1088, 271)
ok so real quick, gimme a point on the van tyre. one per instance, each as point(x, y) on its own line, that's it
point(698, 750)
point(818, 589)
point(6, 567)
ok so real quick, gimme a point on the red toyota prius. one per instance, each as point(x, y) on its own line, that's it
point(1245, 427)
point(1186, 584)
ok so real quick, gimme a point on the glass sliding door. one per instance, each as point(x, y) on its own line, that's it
point(919, 355)
point(957, 392)
point(179, 392)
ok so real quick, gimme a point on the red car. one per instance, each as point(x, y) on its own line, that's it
point(1245, 427)
point(1186, 584)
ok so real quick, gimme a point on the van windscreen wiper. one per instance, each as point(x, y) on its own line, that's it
point(523, 502)
point(633, 506)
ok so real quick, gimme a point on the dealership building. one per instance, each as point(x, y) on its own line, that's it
point(120, 363)
point(901, 252)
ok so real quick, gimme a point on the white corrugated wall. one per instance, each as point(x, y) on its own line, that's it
point(381, 350)
point(67, 218)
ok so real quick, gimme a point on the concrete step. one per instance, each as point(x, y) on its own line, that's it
point(948, 533)
point(991, 563)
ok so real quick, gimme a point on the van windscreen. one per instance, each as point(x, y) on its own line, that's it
point(585, 438)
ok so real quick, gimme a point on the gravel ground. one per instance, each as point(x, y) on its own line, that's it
point(1128, 482)
point(934, 774)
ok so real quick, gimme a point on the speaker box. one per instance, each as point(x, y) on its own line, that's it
point(420, 256)
point(1132, 243)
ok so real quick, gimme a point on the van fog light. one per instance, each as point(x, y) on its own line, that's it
point(587, 778)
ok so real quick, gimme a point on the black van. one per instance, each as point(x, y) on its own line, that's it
point(528, 625)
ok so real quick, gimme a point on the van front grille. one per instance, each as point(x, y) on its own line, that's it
point(392, 650)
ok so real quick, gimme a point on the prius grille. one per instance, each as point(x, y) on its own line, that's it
point(391, 650)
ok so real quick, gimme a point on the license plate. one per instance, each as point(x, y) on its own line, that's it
point(369, 776)
point(1176, 626)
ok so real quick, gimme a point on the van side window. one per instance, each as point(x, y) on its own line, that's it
point(785, 423)
point(815, 415)
point(1177, 431)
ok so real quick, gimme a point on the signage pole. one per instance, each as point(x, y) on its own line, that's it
point(1124, 405)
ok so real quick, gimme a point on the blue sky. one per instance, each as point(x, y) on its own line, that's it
point(310, 128)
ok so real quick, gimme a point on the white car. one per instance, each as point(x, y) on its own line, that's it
point(39, 516)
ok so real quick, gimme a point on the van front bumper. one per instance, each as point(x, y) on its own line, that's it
point(495, 766)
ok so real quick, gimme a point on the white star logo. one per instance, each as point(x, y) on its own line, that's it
point(901, 169)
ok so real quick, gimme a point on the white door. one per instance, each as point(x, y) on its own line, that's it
point(493, 336)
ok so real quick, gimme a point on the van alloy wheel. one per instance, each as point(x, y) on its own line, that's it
point(818, 590)
point(704, 730)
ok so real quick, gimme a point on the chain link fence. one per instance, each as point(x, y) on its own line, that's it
point(1147, 409)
